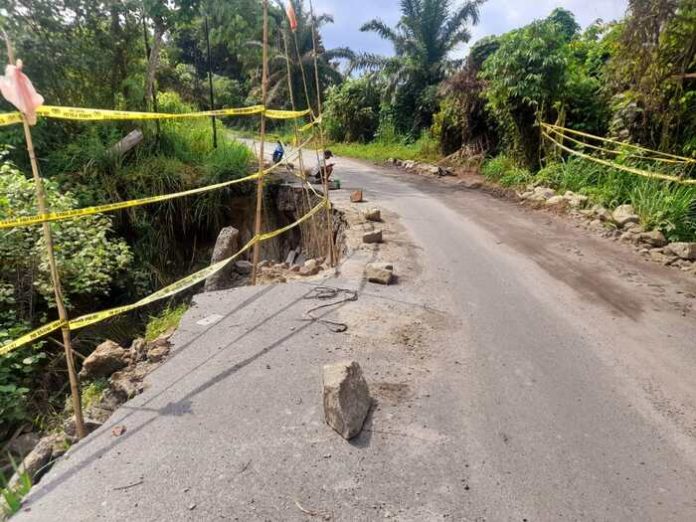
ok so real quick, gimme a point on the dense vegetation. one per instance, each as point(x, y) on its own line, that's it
point(633, 80)
point(128, 55)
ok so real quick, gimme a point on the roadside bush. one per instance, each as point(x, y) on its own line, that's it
point(503, 170)
point(667, 207)
point(89, 260)
point(424, 149)
point(352, 110)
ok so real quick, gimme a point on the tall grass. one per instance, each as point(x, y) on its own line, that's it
point(503, 170)
point(661, 205)
point(424, 149)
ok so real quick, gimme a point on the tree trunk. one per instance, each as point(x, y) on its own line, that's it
point(153, 59)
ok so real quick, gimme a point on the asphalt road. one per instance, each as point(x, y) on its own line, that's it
point(524, 370)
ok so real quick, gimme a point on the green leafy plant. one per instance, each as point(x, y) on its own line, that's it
point(13, 495)
point(504, 170)
point(92, 393)
point(167, 319)
point(352, 110)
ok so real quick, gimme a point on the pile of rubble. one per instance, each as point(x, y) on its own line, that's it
point(421, 167)
point(622, 224)
point(548, 196)
point(124, 370)
point(294, 267)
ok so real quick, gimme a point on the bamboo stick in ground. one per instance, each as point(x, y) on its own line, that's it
point(260, 181)
point(331, 256)
point(55, 276)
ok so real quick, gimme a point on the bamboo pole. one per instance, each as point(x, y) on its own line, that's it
point(329, 217)
point(55, 276)
point(260, 183)
point(291, 92)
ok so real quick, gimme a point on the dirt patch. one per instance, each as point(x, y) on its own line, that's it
point(391, 392)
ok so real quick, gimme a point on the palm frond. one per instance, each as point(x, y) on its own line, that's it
point(469, 12)
point(370, 62)
point(378, 26)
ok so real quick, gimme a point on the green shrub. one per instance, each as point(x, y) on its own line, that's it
point(667, 207)
point(503, 169)
point(352, 110)
point(664, 206)
point(92, 393)
point(423, 149)
point(89, 260)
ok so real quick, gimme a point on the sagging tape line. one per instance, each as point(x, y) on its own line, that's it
point(682, 159)
point(581, 143)
point(81, 114)
point(168, 291)
point(639, 172)
point(110, 207)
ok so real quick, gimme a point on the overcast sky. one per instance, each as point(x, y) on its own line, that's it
point(497, 16)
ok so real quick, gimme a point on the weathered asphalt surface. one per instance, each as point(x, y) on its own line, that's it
point(524, 370)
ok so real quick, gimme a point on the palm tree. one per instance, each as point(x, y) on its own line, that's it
point(429, 30)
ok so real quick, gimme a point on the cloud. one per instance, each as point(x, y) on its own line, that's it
point(497, 16)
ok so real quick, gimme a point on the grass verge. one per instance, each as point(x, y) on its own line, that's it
point(424, 149)
point(668, 207)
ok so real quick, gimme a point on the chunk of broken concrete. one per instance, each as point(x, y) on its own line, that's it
point(682, 250)
point(372, 237)
point(36, 462)
point(654, 238)
point(356, 196)
point(106, 359)
point(624, 214)
point(243, 267)
point(70, 427)
point(374, 214)
point(381, 273)
point(346, 398)
point(310, 268)
point(157, 353)
point(226, 246)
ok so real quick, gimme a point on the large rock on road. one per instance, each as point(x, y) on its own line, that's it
point(346, 398)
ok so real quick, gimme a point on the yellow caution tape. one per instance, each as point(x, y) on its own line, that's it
point(617, 142)
point(632, 170)
point(82, 114)
point(562, 137)
point(110, 207)
point(10, 118)
point(275, 114)
point(168, 291)
point(31, 336)
point(315, 121)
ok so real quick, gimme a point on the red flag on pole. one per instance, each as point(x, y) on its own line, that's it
point(292, 18)
point(17, 89)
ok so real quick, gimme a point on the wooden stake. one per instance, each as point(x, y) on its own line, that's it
point(331, 256)
point(55, 277)
point(259, 183)
point(291, 92)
